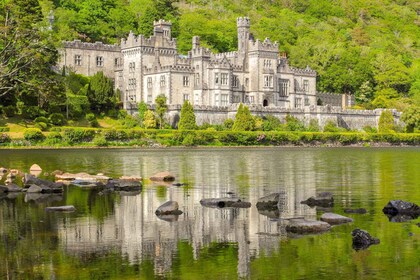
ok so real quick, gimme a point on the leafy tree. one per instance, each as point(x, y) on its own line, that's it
point(386, 122)
point(149, 119)
point(187, 120)
point(159, 9)
point(100, 92)
point(142, 107)
point(411, 118)
point(161, 108)
point(243, 119)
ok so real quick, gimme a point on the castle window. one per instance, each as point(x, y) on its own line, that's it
point(298, 102)
point(132, 84)
point(224, 99)
point(246, 82)
point(149, 82)
point(196, 99)
point(77, 60)
point(197, 67)
point(224, 79)
point(99, 61)
point(305, 85)
point(162, 81)
point(186, 97)
point(197, 79)
point(306, 101)
point(149, 99)
point(283, 87)
point(216, 78)
point(268, 81)
point(186, 81)
point(267, 63)
point(216, 100)
point(235, 81)
point(131, 67)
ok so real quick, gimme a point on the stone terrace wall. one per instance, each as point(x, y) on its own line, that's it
point(350, 119)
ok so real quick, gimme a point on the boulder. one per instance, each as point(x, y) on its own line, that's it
point(45, 185)
point(35, 170)
point(362, 239)
point(82, 176)
point(268, 202)
point(272, 214)
point(355, 211)
point(43, 197)
point(168, 218)
point(13, 188)
point(131, 178)
point(34, 189)
point(302, 226)
point(66, 208)
point(163, 176)
point(324, 199)
point(3, 189)
point(335, 219)
point(124, 185)
point(400, 207)
point(224, 202)
point(168, 208)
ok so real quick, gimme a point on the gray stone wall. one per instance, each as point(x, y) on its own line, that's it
point(349, 119)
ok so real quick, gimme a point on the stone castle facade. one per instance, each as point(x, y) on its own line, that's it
point(143, 68)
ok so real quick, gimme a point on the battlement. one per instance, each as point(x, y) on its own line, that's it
point(265, 45)
point(162, 22)
point(200, 52)
point(226, 54)
point(243, 22)
point(99, 46)
point(140, 41)
point(307, 71)
point(183, 60)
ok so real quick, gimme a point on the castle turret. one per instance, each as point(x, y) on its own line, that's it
point(243, 24)
point(164, 27)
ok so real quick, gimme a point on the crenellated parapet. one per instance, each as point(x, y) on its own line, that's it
point(265, 45)
point(225, 54)
point(200, 52)
point(99, 46)
point(133, 41)
point(243, 22)
point(306, 72)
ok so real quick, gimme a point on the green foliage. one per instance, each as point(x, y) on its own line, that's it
point(386, 122)
point(187, 119)
point(244, 121)
point(78, 135)
point(149, 120)
point(313, 125)
point(370, 129)
point(57, 119)
point(228, 124)
point(270, 123)
point(5, 138)
point(294, 124)
point(33, 135)
point(41, 119)
point(4, 129)
point(115, 135)
point(9, 111)
point(331, 126)
point(41, 125)
point(142, 107)
point(100, 141)
point(161, 108)
point(411, 118)
point(130, 121)
point(91, 118)
point(100, 93)
point(77, 105)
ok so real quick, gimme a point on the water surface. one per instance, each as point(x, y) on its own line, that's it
point(118, 236)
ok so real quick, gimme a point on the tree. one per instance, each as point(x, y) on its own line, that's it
point(187, 120)
point(100, 92)
point(386, 122)
point(142, 107)
point(243, 119)
point(149, 119)
point(161, 108)
point(411, 118)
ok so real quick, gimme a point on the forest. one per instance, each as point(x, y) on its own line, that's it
point(369, 48)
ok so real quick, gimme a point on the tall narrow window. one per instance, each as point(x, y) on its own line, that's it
point(162, 81)
point(197, 79)
point(99, 61)
point(149, 82)
point(186, 81)
point(224, 79)
point(216, 78)
point(78, 60)
point(131, 67)
point(186, 97)
point(283, 87)
point(224, 100)
point(305, 85)
point(268, 81)
point(298, 102)
point(235, 81)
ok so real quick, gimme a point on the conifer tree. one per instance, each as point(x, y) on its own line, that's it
point(161, 108)
point(244, 121)
point(149, 119)
point(386, 122)
point(187, 120)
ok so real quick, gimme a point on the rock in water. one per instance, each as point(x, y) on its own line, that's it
point(268, 202)
point(224, 202)
point(163, 176)
point(335, 219)
point(362, 239)
point(355, 211)
point(168, 208)
point(395, 207)
point(324, 199)
point(66, 208)
point(302, 226)
point(35, 170)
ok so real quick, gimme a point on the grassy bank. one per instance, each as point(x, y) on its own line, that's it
point(95, 137)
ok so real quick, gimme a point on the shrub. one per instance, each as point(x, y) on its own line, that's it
point(149, 119)
point(4, 129)
point(9, 111)
point(189, 140)
point(42, 126)
point(115, 135)
point(271, 123)
point(130, 122)
point(93, 122)
point(41, 119)
point(33, 135)
point(244, 121)
point(386, 122)
point(331, 126)
point(57, 119)
point(77, 135)
point(100, 141)
point(54, 135)
point(187, 120)
point(4, 138)
point(56, 129)
point(294, 124)
point(228, 124)
point(370, 129)
point(313, 125)
point(32, 112)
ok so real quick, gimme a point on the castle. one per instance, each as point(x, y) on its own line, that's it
point(143, 68)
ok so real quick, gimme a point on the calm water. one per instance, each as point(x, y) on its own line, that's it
point(118, 236)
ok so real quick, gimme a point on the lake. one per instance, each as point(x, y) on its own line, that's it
point(118, 235)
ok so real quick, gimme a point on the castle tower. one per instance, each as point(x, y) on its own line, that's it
point(162, 26)
point(243, 25)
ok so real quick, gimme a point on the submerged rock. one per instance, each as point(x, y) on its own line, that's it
point(163, 176)
point(45, 185)
point(324, 199)
point(13, 188)
point(124, 185)
point(362, 239)
point(168, 208)
point(43, 197)
point(302, 226)
point(268, 202)
point(66, 208)
point(224, 202)
point(355, 211)
point(335, 219)
point(395, 207)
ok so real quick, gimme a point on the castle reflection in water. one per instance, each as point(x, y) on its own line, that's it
point(135, 230)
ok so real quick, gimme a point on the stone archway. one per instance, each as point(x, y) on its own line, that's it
point(265, 103)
